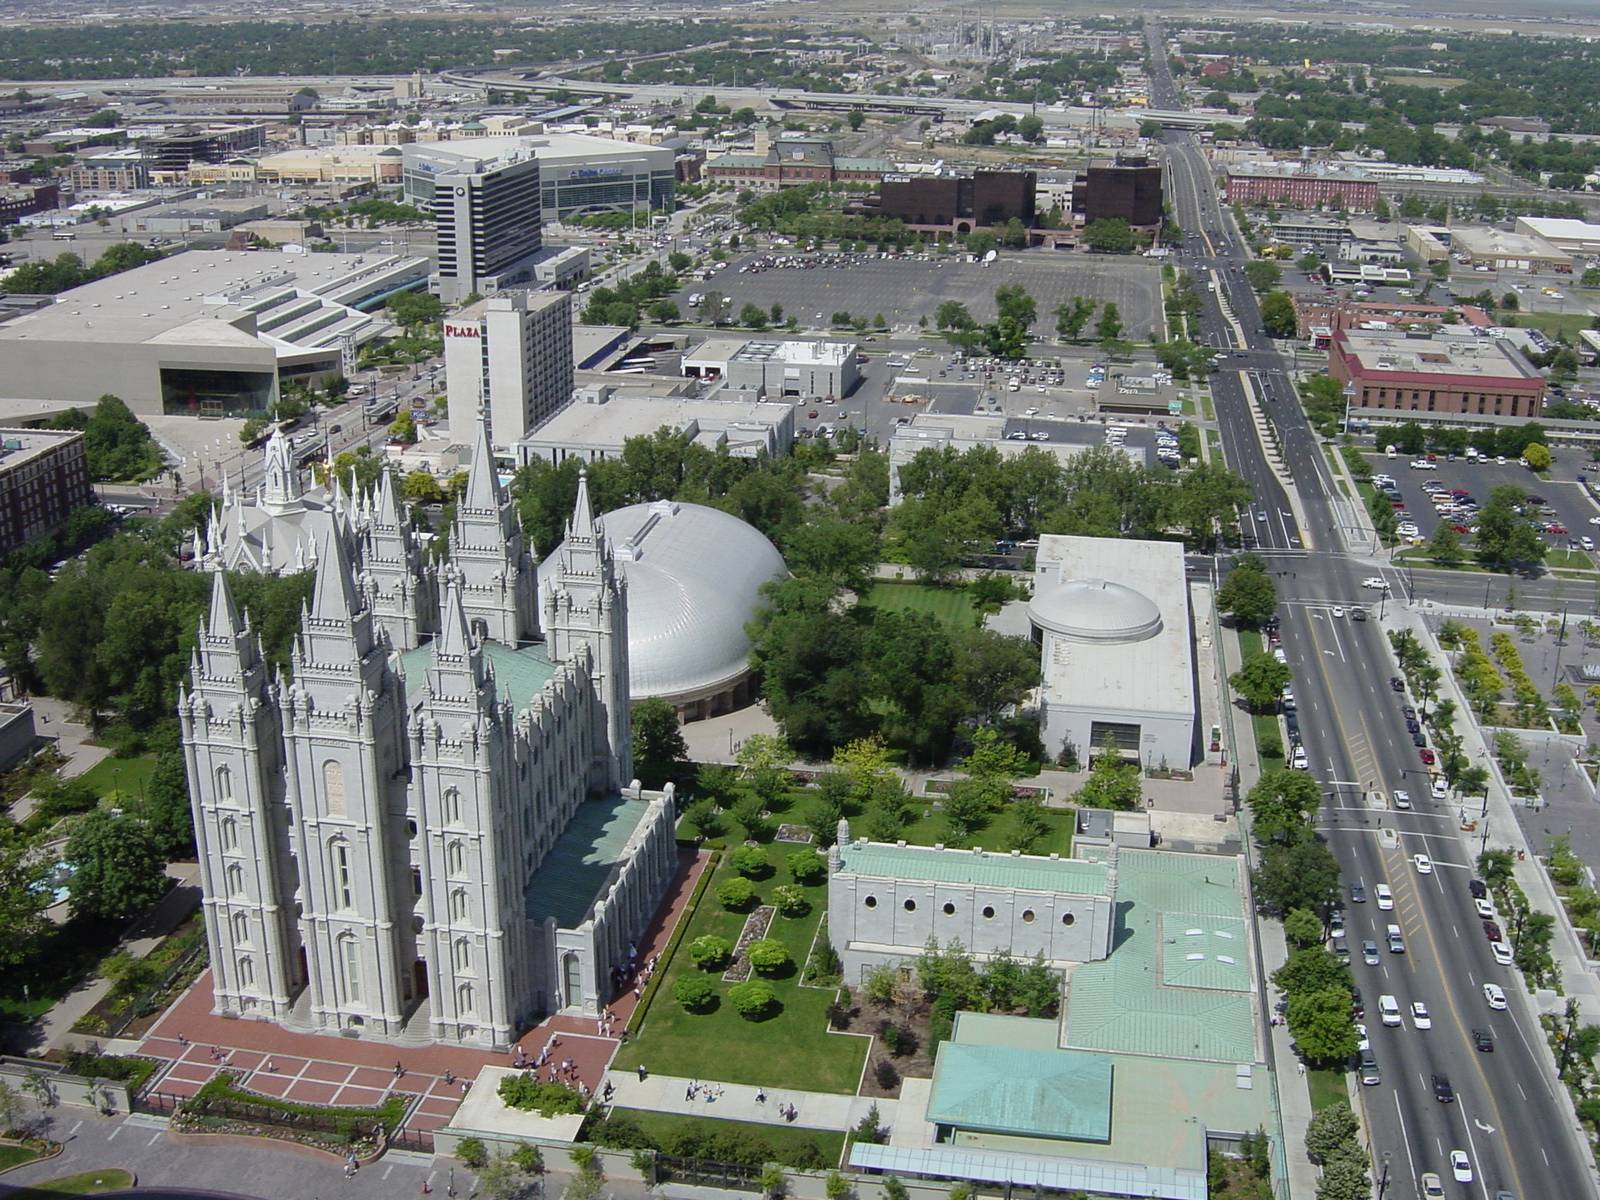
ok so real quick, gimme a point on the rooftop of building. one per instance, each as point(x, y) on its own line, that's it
point(614, 417)
point(1481, 240)
point(977, 867)
point(1119, 610)
point(796, 352)
point(1440, 356)
point(1023, 1090)
point(216, 296)
point(1151, 997)
point(520, 672)
point(694, 577)
point(547, 147)
point(584, 860)
point(1560, 228)
point(18, 447)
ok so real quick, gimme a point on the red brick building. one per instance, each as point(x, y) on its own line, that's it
point(23, 199)
point(793, 162)
point(1301, 189)
point(1463, 373)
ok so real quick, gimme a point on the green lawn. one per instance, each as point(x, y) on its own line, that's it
point(792, 1049)
point(1554, 323)
point(787, 1143)
point(953, 606)
point(130, 776)
point(1327, 1087)
point(927, 828)
point(85, 1183)
point(15, 1156)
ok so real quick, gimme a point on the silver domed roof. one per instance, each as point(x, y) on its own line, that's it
point(694, 578)
point(1095, 610)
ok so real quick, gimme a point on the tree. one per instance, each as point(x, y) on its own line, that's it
point(1263, 274)
point(117, 866)
point(857, 118)
point(1109, 327)
point(1302, 928)
point(1321, 1026)
point(1248, 594)
point(22, 900)
point(1278, 315)
point(714, 307)
point(695, 992)
point(1108, 235)
point(1282, 805)
point(164, 806)
point(790, 900)
point(1112, 782)
point(765, 758)
point(769, 956)
point(413, 309)
point(750, 861)
point(1072, 317)
point(664, 311)
point(736, 893)
point(753, 999)
point(1504, 537)
point(403, 429)
point(659, 751)
point(1312, 969)
point(806, 868)
point(1444, 544)
point(1345, 1177)
point(753, 315)
point(1031, 128)
point(116, 444)
point(503, 1177)
point(1330, 1130)
point(1537, 456)
point(1294, 875)
point(710, 951)
point(1260, 681)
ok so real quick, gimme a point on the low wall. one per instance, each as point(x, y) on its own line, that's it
point(109, 1096)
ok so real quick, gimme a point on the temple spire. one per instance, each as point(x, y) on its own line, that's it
point(334, 595)
point(224, 621)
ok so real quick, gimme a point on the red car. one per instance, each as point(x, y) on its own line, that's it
point(1556, 530)
point(812, 415)
point(1426, 754)
point(1462, 528)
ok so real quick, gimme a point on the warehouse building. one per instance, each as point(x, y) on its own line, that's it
point(789, 370)
point(602, 419)
point(1577, 238)
point(1448, 371)
point(207, 332)
point(794, 162)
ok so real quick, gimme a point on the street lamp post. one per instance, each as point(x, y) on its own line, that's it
point(1383, 1180)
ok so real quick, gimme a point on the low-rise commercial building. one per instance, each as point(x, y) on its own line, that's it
point(207, 332)
point(24, 199)
point(604, 416)
point(771, 369)
point(1309, 233)
point(1111, 618)
point(194, 216)
point(44, 475)
point(1466, 372)
point(511, 353)
point(379, 166)
point(1565, 234)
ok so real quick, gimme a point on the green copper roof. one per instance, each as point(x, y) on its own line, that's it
point(1150, 997)
point(519, 672)
point(580, 866)
point(1000, 1089)
point(1025, 872)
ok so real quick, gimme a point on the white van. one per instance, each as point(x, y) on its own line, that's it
point(1383, 896)
point(1389, 1010)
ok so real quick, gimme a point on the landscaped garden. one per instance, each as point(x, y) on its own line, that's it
point(954, 606)
point(722, 1141)
point(784, 1043)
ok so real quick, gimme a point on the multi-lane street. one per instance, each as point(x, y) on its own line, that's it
point(1506, 1113)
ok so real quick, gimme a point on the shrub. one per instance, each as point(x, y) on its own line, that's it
point(753, 999)
point(791, 900)
point(769, 956)
point(751, 862)
point(893, 1189)
point(471, 1152)
point(525, 1092)
point(837, 1187)
point(736, 894)
point(695, 993)
point(710, 951)
point(528, 1158)
point(807, 867)
point(887, 1074)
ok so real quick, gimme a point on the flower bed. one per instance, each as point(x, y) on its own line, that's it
point(794, 833)
point(319, 1125)
point(755, 928)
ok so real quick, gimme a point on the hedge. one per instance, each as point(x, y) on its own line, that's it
point(350, 1122)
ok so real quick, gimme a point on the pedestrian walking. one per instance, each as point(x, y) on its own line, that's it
point(642, 1072)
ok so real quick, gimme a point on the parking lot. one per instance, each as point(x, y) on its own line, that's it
point(1569, 507)
point(902, 290)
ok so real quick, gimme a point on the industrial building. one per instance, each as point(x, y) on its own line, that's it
point(1483, 246)
point(512, 354)
point(602, 419)
point(168, 157)
point(694, 577)
point(1111, 618)
point(1577, 238)
point(207, 332)
point(43, 477)
point(578, 174)
point(769, 369)
point(194, 216)
point(1448, 371)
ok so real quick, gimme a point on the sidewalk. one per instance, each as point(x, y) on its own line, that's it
point(1294, 1092)
point(739, 1102)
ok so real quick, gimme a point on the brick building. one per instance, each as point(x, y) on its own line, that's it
point(794, 162)
point(43, 477)
point(23, 199)
point(1128, 187)
point(957, 203)
point(1445, 372)
point(1294, 185)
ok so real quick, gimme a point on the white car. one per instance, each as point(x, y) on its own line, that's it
point(1423, 863)
point(1384, 897)
point(1461, 1166)
point(1501, 952)
point(1030, 412)
point(1419, 1015)
point(1586, 542)
point(1485, 909)
point(1432, 1186)
point(1363, 1042)
point(1441, 789)
point(1495, 995)
point(1338, 612)
point(1402, 799)
point(1377, 582)
point(1594, 520)
point(1389, 1011)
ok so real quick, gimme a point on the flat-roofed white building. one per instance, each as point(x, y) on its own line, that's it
point(1564, 233)
point(602, 418)
point(1111, 617)
point(769, 368)
point(206, 332)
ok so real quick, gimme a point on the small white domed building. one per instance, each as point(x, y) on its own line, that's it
point(1112, 620)
point(694, 576)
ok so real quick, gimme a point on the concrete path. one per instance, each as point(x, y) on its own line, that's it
point(52, 721)
point(737, 1102)
point(1294, 1093)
